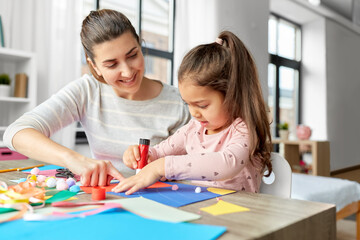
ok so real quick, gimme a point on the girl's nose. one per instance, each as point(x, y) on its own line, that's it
point(194, 112)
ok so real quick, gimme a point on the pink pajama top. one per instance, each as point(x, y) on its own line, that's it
point(218, 160)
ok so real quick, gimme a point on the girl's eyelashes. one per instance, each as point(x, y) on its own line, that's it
point(203, 106)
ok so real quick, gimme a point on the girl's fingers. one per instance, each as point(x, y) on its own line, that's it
point(135, 188)
point(136, 152)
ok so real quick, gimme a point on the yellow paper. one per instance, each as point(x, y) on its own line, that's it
point(222, 207)
point(220, 191)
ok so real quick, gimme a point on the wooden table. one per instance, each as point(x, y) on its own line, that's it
point(320, 151)
point(269, 217)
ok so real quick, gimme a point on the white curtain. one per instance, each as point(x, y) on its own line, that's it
point(51, 29)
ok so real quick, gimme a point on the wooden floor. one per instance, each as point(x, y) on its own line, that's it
point(346, 230)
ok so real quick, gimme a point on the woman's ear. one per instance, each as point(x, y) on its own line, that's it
point(94, 67)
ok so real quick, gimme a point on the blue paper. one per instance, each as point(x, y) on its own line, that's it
point(43, 168)
point(183, 196)
point(117, 224)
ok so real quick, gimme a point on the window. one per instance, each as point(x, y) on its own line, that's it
point(154, 22)
point(284, 72)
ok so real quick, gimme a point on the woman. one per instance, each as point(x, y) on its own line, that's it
point(116, 106)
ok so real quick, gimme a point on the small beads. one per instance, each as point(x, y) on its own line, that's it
point(35, 171)
point(74, 188)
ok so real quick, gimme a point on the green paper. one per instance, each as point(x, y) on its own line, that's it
point(157, 211)
point(60, 196)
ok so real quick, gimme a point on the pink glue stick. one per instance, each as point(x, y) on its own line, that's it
point(144, 149)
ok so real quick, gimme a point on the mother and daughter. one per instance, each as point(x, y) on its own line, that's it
point(226, 144)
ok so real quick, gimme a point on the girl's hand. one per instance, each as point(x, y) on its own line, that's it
point(132, 156)
point(95, 172)
point(150, 174)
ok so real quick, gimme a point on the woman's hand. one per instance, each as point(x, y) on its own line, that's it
point(95, 172)
point(147, 176)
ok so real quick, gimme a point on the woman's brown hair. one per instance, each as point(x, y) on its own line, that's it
point(101, 26)
point(228, 67)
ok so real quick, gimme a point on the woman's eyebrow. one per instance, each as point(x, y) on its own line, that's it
point(111, 60)
point(131, 50)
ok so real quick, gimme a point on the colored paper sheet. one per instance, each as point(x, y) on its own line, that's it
point(110, 225)
point(111, 186)
point(43, 168)
point(140, 206)
point(222, 207)
point(220, 191)
point(183, 196)
point(154, 210)
point(61, 196)
point(89, 189)
point(159, 185)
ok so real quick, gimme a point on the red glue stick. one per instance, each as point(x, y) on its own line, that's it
point(144, 149)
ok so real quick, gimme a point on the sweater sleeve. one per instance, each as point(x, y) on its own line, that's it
point(214, 165)
point(60, 110)
point(173, 145)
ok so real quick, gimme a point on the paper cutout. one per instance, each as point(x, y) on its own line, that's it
point(159, 185)
point(154, 210)
point(89, 189)
point(111, 186)
point(46, 167)
point(222, 207)
point(220, 191)
point(140, 206)
point(60, 196)
point(109, 225)
point(183, 196)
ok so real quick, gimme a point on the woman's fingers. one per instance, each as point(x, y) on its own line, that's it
point(112, 171)
point(85, 178)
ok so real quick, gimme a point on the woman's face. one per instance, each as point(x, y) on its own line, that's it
point(121, 63)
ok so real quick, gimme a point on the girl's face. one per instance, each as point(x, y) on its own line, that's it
point(121, 63)
point(205, 105)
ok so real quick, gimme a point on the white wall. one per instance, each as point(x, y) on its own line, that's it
point(201, 21)
point(330, 78)
point(313, 78)
point(343, 94)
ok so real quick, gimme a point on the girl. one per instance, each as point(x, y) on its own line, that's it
point(227, 144)
point(116, 105)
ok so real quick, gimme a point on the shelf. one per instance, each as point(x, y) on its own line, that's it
point(320, 151)
point(12, 62)
point(14, 99)
point(14, 54)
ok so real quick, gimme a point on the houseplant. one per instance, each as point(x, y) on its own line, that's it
point(4, 85)
point(283, 130)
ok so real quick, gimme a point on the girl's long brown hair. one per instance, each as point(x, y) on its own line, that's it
point(102, 26)
point(230, 69)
